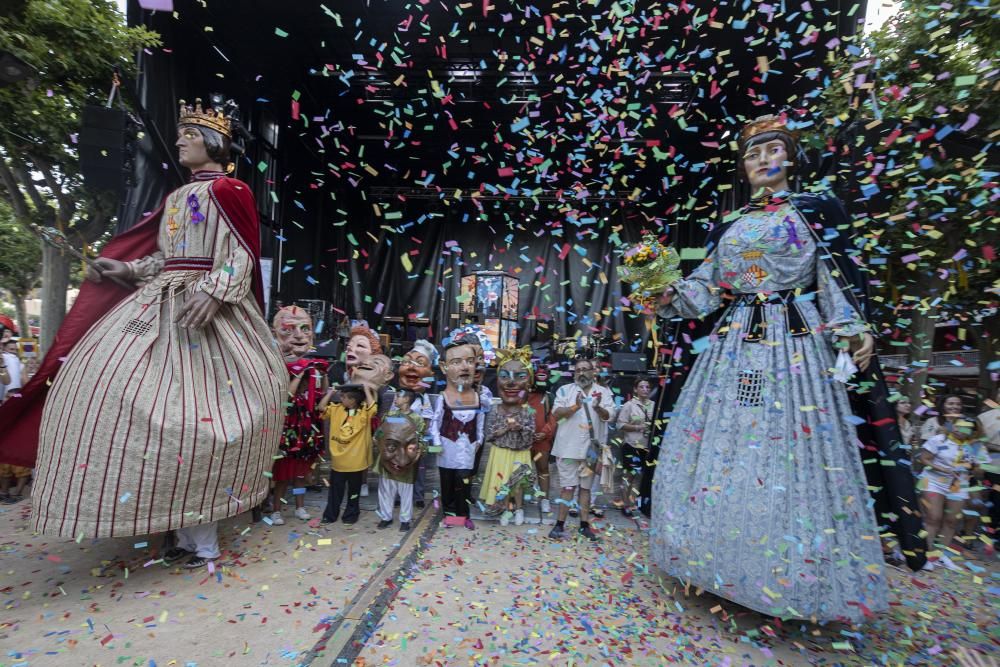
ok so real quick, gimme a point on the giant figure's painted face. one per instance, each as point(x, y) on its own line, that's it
point(767, 165)
point(414, 369)
point(293, 329)
point(513, 379)
point(397, 443)
point(375, 371)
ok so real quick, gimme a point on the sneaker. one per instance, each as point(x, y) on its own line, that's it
point(949, 563)
point(546, 507)
point(928, 566)
point(519, 518)
point(325, 520)
point(384, 523)
point(505, 518)
point(197, 561)
point(557, 533)
point(301, 513)
point(364, 490)
point(469, 524)
point(587, 532)
point(573, 512)
point(277, 520)
point(404, 526)
point(176, 554)
point(596, 512)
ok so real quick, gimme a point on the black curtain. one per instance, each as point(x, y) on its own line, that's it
point(569, 281)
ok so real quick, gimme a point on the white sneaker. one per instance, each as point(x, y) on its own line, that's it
point(505, 519)
point(519, 518)
point(928, 566)
point(301, 513)
point(949, 563)
point(364, 490)
point(276, 519)
point(546, 507)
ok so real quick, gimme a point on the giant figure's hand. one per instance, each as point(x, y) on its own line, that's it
point(862, 348)
point(105, 267)
point(198, 311)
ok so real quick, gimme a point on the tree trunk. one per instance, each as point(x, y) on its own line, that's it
point(921, 351)
point(55, 284)
point(22, 312)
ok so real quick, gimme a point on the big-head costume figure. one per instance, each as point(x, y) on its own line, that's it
point(166, 409)
point(759, 466)
point(302, 435)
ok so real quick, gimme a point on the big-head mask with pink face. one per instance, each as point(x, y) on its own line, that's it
point(362, 344)
point(293, 329)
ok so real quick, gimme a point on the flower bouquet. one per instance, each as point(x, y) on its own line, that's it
point(649, 267)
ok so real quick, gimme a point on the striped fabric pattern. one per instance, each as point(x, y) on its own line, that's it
point(149, 427)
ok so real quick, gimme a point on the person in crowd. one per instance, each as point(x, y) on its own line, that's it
point(990, 420)
point(416, 374)
point(510, 433)
point(399, 443)
point(13, 480)
point(14, 368)
point(946, 404)
point(904, 416)
point(5, 376)
point(582, 410)
point(951, 459)
point(635, 421)
point(349, 424)
point(545, 430)
point(302, 438)
point(457, 429)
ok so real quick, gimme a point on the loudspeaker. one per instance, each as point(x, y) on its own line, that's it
point(102, 146)
point(628, 362)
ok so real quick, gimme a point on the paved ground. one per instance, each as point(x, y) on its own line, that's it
point(509, 596)
point(309, 595)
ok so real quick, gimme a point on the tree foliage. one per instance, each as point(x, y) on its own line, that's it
point(73, 46)
point(913, 105)
point(20, 254)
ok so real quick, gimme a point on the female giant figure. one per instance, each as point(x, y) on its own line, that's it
point(760, 494)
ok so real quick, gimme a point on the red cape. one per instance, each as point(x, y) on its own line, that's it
point(21, 415)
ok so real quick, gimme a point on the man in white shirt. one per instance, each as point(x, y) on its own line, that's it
point(583, 410)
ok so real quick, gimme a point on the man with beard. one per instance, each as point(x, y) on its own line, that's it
point(583, 410)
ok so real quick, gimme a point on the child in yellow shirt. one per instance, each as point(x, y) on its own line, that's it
point(349, 424)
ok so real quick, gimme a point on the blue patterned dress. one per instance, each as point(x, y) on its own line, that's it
point(760, 494)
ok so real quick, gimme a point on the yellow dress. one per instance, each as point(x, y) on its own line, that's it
point(506, 450)
point(350, 437)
